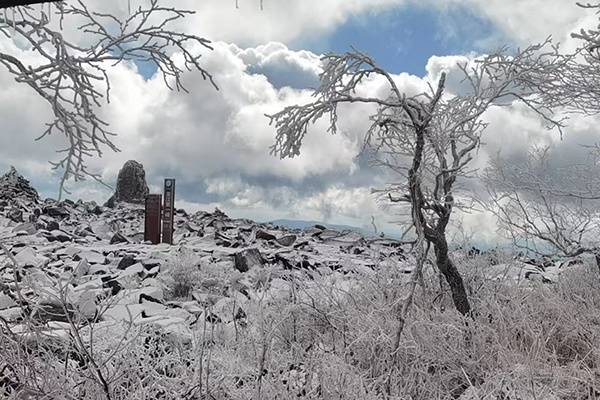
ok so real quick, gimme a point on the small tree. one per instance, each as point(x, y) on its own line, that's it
point(545, 208)
point(429, 140)
point(68, 73)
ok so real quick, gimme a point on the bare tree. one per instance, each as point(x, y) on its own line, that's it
point(546, 208)
point(429, 140)
point(68, 74)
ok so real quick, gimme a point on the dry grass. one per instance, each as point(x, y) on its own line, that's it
point(331, 338)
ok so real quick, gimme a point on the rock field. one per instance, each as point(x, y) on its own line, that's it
point(81, 262)
point(76, 270)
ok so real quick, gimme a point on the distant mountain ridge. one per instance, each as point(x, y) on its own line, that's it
point(303, 224)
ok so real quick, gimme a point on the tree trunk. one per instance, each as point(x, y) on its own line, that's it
point(447, 268)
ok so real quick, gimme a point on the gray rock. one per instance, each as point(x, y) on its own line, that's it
point(15, 214)
point(85, 303)
point(28, 227)
point(137, 268)
point(52, 225)
point(287, 240)
point(131, 184)
point(83, 268)
point(102, 229)
point(56, 211)
point(12, 314)
point(127, 261)
point(248, 258)
point(61, 236)
point(91, 256)
point(260, 234)
point(118, 238)
point(29, 258)
point(6, 302)
point(53, 310)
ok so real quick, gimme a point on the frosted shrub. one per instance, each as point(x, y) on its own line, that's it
point(182, 275)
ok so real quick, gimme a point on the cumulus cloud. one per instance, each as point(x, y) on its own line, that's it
point(216, 143)
point(202, 138)
point(283, 67)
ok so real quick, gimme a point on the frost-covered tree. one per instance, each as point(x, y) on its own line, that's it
point(580, 81)
point(428, 140)
point(70, 70)
point(544, 207)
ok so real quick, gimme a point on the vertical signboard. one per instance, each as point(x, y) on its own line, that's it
point(152, 218)
point(168, 211)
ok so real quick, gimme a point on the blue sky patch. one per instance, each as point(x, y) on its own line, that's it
point(404, 38)
point(146, 68)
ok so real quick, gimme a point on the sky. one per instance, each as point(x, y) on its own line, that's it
point(216, 143)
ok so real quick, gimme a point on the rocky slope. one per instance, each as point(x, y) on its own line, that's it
point(78, 261)
point(76, 268)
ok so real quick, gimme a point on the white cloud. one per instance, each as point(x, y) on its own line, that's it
point(280, 20)
point(526, 21)
point(217, 142)
point(297, 69)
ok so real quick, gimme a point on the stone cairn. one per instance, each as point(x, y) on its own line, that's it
point(12, 185)
point(131, 185)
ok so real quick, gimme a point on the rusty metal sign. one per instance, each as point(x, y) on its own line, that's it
point(168, 211)
point(152, 218)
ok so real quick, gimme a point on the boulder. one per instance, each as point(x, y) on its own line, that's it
point(111, 282)
point(102, 229)
point(56, 211)
point(248, 258)
point(60, 236)
point(260, 234)
point(287, 240)
point(127, 261)
point(131, 185)
point(135, 269)
point(28, 257)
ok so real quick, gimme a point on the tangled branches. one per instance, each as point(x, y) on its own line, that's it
point(68, 74)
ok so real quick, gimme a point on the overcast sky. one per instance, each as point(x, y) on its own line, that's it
point(215, 143)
